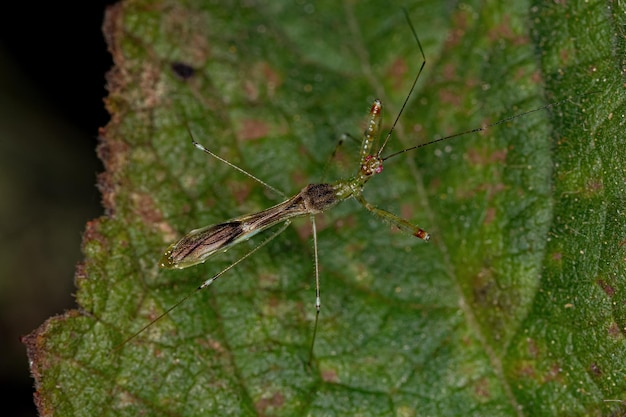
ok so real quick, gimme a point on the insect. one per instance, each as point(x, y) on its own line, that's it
point(199, 245)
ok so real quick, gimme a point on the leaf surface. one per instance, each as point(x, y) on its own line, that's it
point(515, 307)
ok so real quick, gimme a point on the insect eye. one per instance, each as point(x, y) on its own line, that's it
point(372, 165)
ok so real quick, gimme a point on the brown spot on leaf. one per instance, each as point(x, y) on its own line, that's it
point(554, 373)
point(505, 31)
point(269, 281)
point(481, 388)
point(209, 343)
point(459, 26)
point(614, 331)
point(435, 183)
point(396, 72)
point(262, 82)
point(272, 77)
point(594, 186)
point(273, 302)
point(606, 287)
point(490, 215)
point(270, 405)
point(562, 141)
point(449, 72)
point(527, 370)
point(536, 77)
point(451, 97)
point(330, 376)
point(483, 157)
point(305, 230)
point(347, 222)
point(144, 206)
point(482, 286)
point(299, 177)
point(240, 191)
point(252, 129)
point(251, 90)
point(533, 349)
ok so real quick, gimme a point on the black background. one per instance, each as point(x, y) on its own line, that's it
point(53, 62)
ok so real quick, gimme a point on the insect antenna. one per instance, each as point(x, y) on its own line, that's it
point(406, 100)
point(486, 127)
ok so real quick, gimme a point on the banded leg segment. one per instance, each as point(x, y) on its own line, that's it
point(372, 131)
point(318, 301)
point(399, 222)
point(207, 283)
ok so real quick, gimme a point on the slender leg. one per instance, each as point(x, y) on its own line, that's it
point(210, 281)
point(256, 248)
point(318, 302)
point(399, 222)
point(230, 164)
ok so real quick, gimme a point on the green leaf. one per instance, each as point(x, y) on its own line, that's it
point(515, 307)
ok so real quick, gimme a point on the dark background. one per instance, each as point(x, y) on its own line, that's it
point(53, 60)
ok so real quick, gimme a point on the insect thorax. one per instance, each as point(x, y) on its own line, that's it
point(319, 197)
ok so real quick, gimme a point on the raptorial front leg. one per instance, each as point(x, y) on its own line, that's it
point(399, 222)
